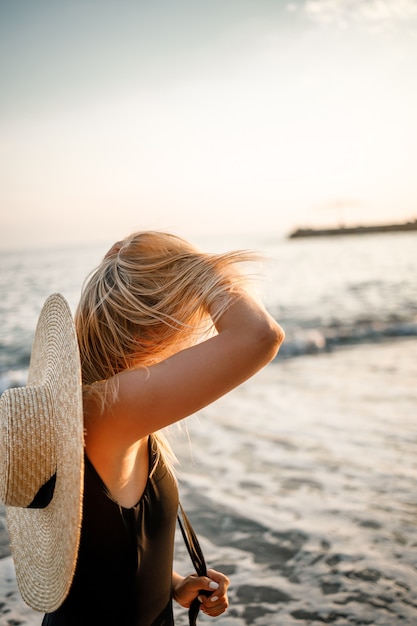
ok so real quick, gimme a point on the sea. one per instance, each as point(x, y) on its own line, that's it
point(302, 483)
point(325, 292)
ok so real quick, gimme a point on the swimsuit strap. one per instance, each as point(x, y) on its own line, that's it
point(197, 557)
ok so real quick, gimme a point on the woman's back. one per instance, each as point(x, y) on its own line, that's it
point(146, 362)
point(124, 569)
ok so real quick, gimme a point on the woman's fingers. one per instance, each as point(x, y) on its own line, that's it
point(216, 603)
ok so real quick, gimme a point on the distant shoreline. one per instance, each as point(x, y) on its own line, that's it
point(353, 230)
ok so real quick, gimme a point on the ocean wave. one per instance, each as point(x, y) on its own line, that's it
point(298, 342)
point(301, 342)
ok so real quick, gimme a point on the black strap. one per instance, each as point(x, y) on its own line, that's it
point(197, 557)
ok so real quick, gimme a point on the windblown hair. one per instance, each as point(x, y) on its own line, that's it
point(152, 295)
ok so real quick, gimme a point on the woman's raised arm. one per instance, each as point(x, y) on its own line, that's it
point(151, 398)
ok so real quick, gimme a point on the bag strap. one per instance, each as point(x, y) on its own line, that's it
point(197, 558)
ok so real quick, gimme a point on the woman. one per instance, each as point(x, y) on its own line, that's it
point(148, 362)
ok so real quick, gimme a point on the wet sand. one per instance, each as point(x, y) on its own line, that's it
point(302, 485)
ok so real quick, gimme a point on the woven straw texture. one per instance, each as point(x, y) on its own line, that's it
point(45, 435)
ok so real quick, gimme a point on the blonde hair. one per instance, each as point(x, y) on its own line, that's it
point(152, 295)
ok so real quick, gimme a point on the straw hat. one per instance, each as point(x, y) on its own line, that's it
point(41, 443)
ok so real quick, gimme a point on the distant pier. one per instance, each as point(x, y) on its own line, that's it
point(353, 230)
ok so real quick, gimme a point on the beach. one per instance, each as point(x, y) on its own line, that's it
point(301, 485)
point(282, 132)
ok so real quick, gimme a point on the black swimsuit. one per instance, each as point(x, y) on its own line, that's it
point(124, 568)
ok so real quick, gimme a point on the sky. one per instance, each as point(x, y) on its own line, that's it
point(197, 116)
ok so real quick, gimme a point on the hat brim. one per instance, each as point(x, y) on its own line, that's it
point(44, 541)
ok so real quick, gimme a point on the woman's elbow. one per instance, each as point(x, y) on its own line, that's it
point(270, 338)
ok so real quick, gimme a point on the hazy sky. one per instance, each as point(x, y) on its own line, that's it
point(204, 115)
